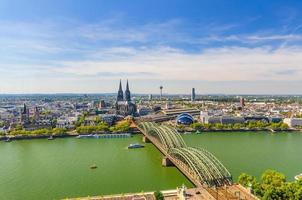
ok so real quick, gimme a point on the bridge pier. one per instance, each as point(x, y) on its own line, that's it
point(166, 162)
point(146, 140)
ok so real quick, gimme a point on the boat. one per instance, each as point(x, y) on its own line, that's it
point(7, 140)
point(298, 177)
point(50, 138)
point(93, 166)
point(135, 146)
point(88, 136)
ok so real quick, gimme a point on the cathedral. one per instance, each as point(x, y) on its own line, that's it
point(124, 106)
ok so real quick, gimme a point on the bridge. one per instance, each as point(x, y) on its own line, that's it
point(201, 167)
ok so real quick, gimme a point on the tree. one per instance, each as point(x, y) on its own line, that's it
point(197, 126)
point(158, 195)
point(181, 127)
point(122, 126)
point(272, 178)
point(246, 180)
point(59, 131)
point(237, 126)
point(273, 186)
point(18, 127)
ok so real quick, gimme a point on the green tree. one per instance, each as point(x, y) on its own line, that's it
point(272, 178)
point(18, 127)
point(158, 195)
point(246, 180)
point(197, 126)
point(237, 126)
point(59, 131)
point(122, 126)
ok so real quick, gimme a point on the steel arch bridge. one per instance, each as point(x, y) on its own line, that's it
point(167, 135)
point(207, 168)
point(202, 166)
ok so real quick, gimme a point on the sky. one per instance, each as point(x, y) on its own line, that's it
point(215, 46)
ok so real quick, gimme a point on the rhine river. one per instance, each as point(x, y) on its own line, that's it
point(42, 169)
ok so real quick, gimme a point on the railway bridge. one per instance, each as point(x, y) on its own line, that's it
point(199, 165)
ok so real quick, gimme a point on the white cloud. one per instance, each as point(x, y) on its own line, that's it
point(214, 64)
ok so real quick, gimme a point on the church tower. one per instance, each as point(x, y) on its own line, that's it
point(120, 94)
point(127, 93)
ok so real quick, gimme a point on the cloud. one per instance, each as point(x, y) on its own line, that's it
point(214, 64)
point(288, 72)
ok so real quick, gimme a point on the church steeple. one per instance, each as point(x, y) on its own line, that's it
point(127, 93)
point(120, 94)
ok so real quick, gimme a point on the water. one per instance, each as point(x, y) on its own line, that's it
point(253, 152)
point(43, 169)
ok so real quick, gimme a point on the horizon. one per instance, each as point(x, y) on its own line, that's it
point(217, 47)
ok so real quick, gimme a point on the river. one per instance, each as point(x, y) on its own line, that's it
point(42, 169)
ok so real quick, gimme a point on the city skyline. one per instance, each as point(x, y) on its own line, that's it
point(216, 47)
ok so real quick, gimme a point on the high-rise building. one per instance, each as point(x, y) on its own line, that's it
point(102, 104)
point(193, 94)
point(150, 97)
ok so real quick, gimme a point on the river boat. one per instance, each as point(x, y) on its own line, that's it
point(7, 140)
point(88, 136)
point(135, 146)
point(50, 138)
point(93, 166)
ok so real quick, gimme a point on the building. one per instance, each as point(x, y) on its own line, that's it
point(193, 94)
point(292, 122)
point(204, 117)
point(185, 119)
point(102, 104)
point(25, 115)
point(143, 111)
point(178, 111)
point(124, 106)
point(36, 113)
point(242, 102)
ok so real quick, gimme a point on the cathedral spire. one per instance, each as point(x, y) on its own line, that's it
point(127, 92)
point(120, 95)
point(127, 86)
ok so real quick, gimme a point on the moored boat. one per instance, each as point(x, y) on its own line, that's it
point(50, 138)
point(135, 146)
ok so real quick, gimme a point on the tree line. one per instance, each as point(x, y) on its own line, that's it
point(272, 186)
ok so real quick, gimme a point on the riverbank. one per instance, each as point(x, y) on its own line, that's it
point(68, 134)
point(136, 131)
point(242, 130)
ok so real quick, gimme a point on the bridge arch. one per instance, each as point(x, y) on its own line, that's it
point(206, 166)
point(167, 135)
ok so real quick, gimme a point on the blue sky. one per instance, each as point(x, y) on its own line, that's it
point(232, 47)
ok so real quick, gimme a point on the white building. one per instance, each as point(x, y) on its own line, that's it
point(204, 117)
point(292, 122)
